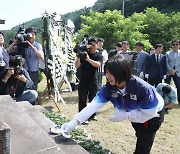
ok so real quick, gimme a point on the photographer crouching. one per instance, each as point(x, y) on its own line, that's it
point(89, 60)
point(16, 82)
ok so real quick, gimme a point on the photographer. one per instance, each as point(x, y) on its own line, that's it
point(16, 82)
point(89, 61)
point(32, 52)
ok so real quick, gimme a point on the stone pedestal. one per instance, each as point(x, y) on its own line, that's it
point(4, 138)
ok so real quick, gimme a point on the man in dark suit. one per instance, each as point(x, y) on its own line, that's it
point(156, 67)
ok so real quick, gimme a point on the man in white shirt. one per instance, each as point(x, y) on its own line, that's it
point(105, 58)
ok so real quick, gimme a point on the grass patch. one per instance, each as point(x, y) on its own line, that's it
point(79, 135)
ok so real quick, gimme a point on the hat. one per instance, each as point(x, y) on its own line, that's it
point(2, 63)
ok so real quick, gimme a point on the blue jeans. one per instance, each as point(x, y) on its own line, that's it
point(28, 95)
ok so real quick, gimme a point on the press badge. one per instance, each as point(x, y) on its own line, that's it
point(133, 97)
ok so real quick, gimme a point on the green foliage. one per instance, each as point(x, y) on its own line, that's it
point(155, 26)
point(79, 135)
point(161, 28)
point(131, 6)
point(151, 27)
point(173, 27)
point(102, 25)
point(113, 27)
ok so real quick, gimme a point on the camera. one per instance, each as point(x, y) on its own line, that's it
point(81, 47)
point(18, 70)
point(21, 38)
point(132, 54)
point(15, 62)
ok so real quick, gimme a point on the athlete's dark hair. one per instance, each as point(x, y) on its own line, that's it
point(166, 89)
point(119, 67)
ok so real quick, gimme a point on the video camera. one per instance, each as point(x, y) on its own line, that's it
point(15, 62)
point(81, 47)
point(22, 37)
point(131, 53)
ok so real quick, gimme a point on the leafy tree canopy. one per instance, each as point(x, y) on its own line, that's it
point(150, 27)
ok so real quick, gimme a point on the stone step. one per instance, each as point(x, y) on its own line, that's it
point(68, 146)
point(26, 137)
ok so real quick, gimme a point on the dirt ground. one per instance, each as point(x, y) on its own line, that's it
point(120, 137)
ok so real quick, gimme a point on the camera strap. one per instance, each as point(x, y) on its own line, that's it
point(15, 88)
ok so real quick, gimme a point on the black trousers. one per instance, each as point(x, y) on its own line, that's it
point(154, 81)
point(100, 76)
point(176, 80)
point(145, 133)
point(86, 90)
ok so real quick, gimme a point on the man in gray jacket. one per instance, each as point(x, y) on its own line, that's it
point(173, 66)
point(142, 55)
